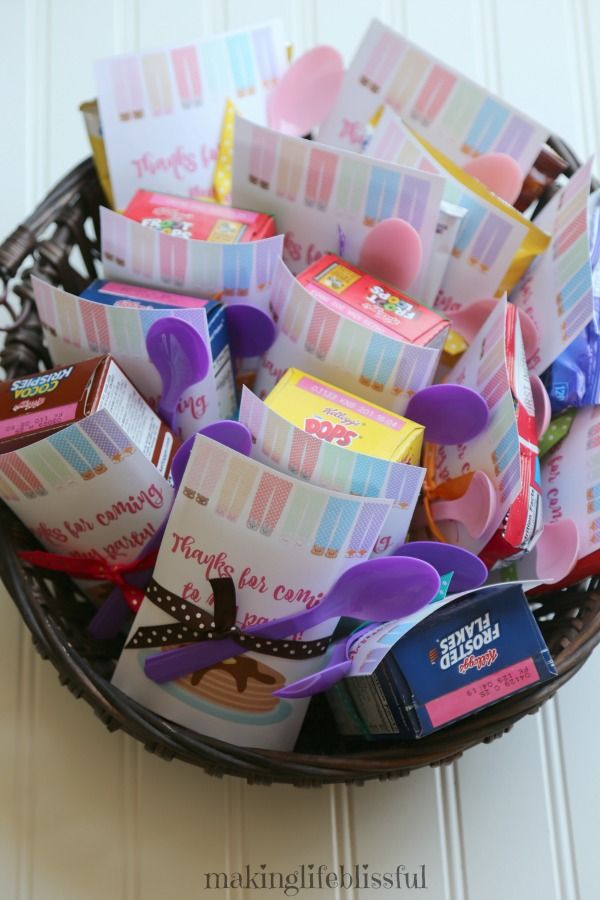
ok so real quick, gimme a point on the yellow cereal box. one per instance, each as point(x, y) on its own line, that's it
point(343, 419)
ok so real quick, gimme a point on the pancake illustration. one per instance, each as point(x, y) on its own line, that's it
point(239, 683)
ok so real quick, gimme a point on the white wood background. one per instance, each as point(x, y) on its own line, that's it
point(86, 815)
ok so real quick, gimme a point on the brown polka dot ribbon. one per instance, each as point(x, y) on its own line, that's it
point(193, 625)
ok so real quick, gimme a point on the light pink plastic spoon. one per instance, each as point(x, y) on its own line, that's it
point(475, 509)
point(554, 555)
point(541, 404)
point(306, 93)
point(469, 321)
point(499, 172)
point(392, 251)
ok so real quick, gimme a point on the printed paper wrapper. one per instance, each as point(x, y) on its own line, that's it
point(317, 340)
point(89, 490)
point(237, 273)
point(571, 480)
point(284, 543)
point(327, 200)
point(162, 110)
point(76, 328)
point(557, 291)
point(494, 243)
point(495, 451)
point(287, 448)
point(459, 116)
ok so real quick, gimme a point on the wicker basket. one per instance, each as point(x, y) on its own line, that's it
point(59, 243)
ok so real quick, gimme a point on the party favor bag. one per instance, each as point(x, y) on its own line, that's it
point(313, 338)
point(283, 543)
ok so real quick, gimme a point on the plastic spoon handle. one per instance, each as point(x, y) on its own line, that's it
point(337, 668)
point(316, 683)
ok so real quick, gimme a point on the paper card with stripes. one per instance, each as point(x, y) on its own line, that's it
point(557, 290)
point(228, 272)
point(460, 117)
point(573, 491)
point(161, 110)
point(283, 543)
point(488, 235)
point(91, 489)
point(283, 446)
point(484, 367)
point(327, 200)
point(76, 328)
point(323, 343)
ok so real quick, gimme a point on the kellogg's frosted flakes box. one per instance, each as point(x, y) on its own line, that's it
point(478, 650)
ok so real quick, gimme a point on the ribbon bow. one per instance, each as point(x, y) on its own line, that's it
point(193, 625)
point(95, 570)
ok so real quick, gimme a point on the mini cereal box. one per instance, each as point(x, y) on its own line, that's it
point(344, 419)
point(349, 291)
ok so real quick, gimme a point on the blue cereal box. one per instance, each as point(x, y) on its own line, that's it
point(477, 650)
point(131, 296)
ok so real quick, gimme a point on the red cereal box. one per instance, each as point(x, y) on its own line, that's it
point(523, 522)
point(380, 307)
point(205, 221)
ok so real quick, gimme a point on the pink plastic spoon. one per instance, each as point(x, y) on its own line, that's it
point(499, 172)
point(475, 509)
point(541, 404)
point(392, 251)
point(306, 93)
point(469, 321)
point(554, 555)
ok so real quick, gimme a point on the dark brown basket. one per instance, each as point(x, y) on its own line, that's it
point(58, 243)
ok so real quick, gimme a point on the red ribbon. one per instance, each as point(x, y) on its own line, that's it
point(95, 569)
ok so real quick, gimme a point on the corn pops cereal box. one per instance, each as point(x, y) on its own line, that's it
point(345, 420)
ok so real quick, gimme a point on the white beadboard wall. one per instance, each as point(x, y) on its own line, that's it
point(89, 816)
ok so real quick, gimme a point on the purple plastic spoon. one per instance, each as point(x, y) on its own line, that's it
point(375, 590)
point(451, 413)
point(181, 358)
point(468, 570)
point(468, 573)
point(113, 613)
point(337, 668)
point(251, 331)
